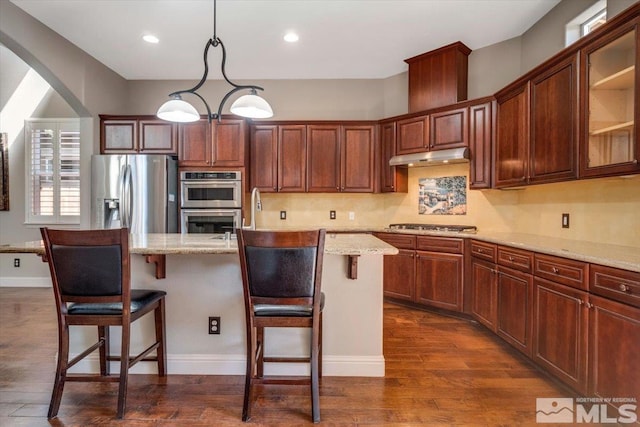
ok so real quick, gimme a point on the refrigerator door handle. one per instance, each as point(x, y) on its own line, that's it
point(122, 211)
point(126, 197)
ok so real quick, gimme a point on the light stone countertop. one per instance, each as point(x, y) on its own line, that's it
point(177, 244)
point(623, 257)
point(617, 256)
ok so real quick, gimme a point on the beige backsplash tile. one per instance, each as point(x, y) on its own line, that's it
point(605, 210)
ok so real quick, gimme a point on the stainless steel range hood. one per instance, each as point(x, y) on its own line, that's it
point(432, 158)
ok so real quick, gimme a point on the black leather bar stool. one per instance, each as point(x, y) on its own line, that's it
point(281, 276)
point(91, 278)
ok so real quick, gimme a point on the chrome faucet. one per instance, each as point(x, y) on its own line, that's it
point(256, 205)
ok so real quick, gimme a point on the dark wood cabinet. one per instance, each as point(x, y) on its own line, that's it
point(392, 179)
point(357, 158)
point(292, 158)
point(614, 349)
point(481, 131)
point(553, 153)
point(137, 135)
point(194, 143)
point(428, 271)
point(438, 77)
point(560, 331)
point(278, 158)
point(611, 102)
point(229, 143)
point(323, 158)
point(399, 275)
point(514, 324)
point(399, 270)
point(484, 284)
point(215, 144)
point(413, 135)
point(340, 158)
point(449, 129)
point(439, 272)
point(439, 280)
point(511, 166)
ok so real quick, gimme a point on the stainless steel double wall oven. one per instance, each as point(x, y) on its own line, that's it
point(211, 201)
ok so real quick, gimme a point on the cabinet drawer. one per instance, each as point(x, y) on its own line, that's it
point(483, 250)
point(619, 285)
point(515, 258)
point(439, 244)
point(400, 241)
point(561, 270)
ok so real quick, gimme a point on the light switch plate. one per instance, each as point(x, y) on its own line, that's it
point(565, 220)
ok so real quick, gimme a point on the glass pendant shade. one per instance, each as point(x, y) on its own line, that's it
point(252, 106)
point(177, 110)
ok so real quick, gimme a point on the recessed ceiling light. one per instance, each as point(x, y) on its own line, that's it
point(291, 37)
point(149, 38)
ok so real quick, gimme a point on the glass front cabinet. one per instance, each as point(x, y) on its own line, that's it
point(610, 90)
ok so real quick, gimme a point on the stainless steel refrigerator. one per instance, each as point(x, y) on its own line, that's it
point(134, 191)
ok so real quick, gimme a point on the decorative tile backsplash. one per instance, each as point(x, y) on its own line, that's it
point(442, 196)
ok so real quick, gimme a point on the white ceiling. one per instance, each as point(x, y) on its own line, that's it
point(338, 38)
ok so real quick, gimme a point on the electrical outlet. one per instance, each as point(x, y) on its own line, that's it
point(283, 214)
point(214, 325)
point(16, 262)
point(565, 220)
point(332, 214)
point(352, 216)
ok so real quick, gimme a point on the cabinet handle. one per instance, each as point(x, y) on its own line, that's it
point(624, 288)
point(480, 251)
point(555, 270)
point(511, 258)
point(338, 188)
point(589, 305)
point(580, 302)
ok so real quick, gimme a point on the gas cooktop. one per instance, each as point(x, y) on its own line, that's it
point(435, 227)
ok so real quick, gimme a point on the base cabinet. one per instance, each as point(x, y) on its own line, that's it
point(484, 290)
point(614, 349)
point(560, 332)
point(432, 275)
point(400, 275)
point(439, 280)
point(514, 323)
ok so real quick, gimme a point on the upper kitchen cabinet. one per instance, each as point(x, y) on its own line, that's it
point(340, 158)
point(278, 158)
point(413, 135)
point(194, 143)
point(610, 62)
point(449, 129)
point(512, 137)
point(215, 144)
point(481, 132)
point(537, 126)
point(438, 78)
point(137, 134)
point(553, 141)
point(392, 178)
point(358, 158)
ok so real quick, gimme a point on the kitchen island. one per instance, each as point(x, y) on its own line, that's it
point(203, 279)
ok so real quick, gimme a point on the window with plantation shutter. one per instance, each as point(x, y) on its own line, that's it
point(53, 171)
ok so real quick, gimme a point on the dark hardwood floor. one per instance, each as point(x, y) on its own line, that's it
point(440, 371)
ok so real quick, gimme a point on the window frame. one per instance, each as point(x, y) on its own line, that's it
point(67, 125)
point(585, 26)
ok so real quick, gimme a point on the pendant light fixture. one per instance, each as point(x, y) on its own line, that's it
point(251, 105)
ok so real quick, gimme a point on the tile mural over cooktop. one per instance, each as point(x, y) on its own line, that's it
point(442, 196)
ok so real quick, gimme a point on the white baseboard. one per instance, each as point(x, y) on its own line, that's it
point(234, 364)
point(25, 282)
